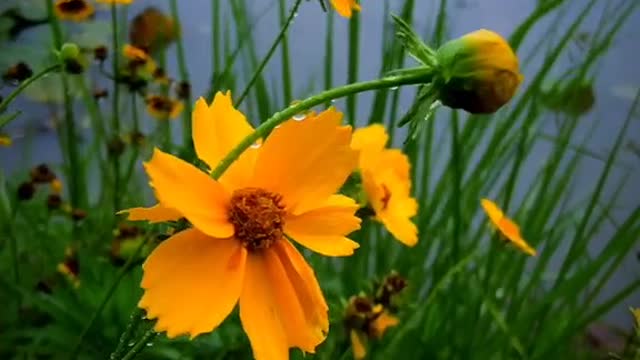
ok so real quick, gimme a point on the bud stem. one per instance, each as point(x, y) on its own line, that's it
point(23, 85)
point(418, 76)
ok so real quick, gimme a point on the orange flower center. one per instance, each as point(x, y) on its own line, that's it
point(72, 6)
point(257, 216)
point(386, 196)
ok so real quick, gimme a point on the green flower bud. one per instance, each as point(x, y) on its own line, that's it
point(69, 51)
point(478, 72)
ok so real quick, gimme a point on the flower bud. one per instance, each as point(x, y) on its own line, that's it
point(69, 51)
point(478, 72)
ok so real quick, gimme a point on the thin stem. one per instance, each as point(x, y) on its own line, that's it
point(115, 119)
point(184, 76)
point(136, 317)
point(107, 296)
point(328, 54)
point(286, 60)
point(215, 38)
point(354, 55)
point(419, 76)
point(265, 60)
point(141, 344)
point(457, 183)
point(133, 143)
point(23, 85)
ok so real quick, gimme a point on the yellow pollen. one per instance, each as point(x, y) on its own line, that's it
point(257, 216)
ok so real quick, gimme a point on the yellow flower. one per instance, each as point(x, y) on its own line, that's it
point(121, 2)
point(70, 267)
point(139, 59)
point(366, 320)
point(56, 186)
point(161, 107)
point(238, 249)
point(73, 10)
point(5, 140)
point(506, 226)
point(152, 29)
point(345, 7)
point(387, 183)
point(636, 315)
point(478, 72)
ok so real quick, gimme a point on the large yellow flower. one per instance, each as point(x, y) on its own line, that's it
point(238, 248)
point(387, 183)
point(506, 226)
point(345, 7)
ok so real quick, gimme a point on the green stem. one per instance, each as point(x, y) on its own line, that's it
point(23, 85)
point(328, 55)
point(115, 119)
point(107, 296)
point(136, 317)
point(354, 55)
point(141, 344)
point(184, 75)
point(457, 181)
point(286, 60)
point(418, 76)
point(265, 60)
point(215, 38)
point(135, 146)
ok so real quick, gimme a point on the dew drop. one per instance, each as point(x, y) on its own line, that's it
point(394, 88)
point(131, 344)
point(299, 117)
point(149, 344)
point(255, 145)
point(499, 293)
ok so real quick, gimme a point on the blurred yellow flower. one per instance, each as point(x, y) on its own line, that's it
point(636, 315)
point(139, 60)
point(345, 7)
point(56, 186)
point(73, 10)
point(5, 140)
point(387, 183)
point(70, 267)
point(161, 107)
point(479, 72)
point(237, 250)
point(152, 30)
point(506, 227)
point(366, 320)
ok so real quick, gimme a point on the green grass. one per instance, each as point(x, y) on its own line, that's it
point(469, 296)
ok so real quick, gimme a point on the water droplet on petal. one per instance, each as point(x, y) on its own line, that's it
point(299, 117)
point(255, 145)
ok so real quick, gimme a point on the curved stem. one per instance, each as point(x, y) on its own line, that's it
point(23, 85)
point(281, 35)
point(418, 76)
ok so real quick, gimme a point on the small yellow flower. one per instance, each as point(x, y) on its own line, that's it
point(161, 107)
point(70, 267)
point(238, 250)
point(478, 72)
point(139, 60)
point(345, 7)
point(387, 183)
point(56, 186)
point(5, 140)
point(73, 10)
point(152, 29)
point(120, 2)
point(636, 315)
point(506, 226)
point(366, 320)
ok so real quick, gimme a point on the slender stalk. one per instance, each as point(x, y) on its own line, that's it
point(457, 184)
point(23, 85)
point(286, 60)
point(141, 344)
point(216, 54)
point(136, 317)
point(107, 296)
point(115, 119)
point(354, 59)
point(267, 57)
point(328, 54)
point(419, 76)
point(184, 76)
point(136, 129)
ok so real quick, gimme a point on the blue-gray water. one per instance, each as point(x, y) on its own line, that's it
point(618, 75)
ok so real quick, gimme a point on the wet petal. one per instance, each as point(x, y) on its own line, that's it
point(153, 214)
point(183, 187)
point(259, 313)
point(217, 129)
point(323, 229)
point(306, 161)
point(192, 282)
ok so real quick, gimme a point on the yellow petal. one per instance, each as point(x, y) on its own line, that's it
point(358, 346)
point(306, 161)
point(323, 229)
point(153, 214)
point(259, 313)
point(217, 129)
point(192, 282)
point(345, 7)
point(369, 141)
point(181, 186)
point(296, 307)
point(506, 226)
point(492, 210)
point(382, 323)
